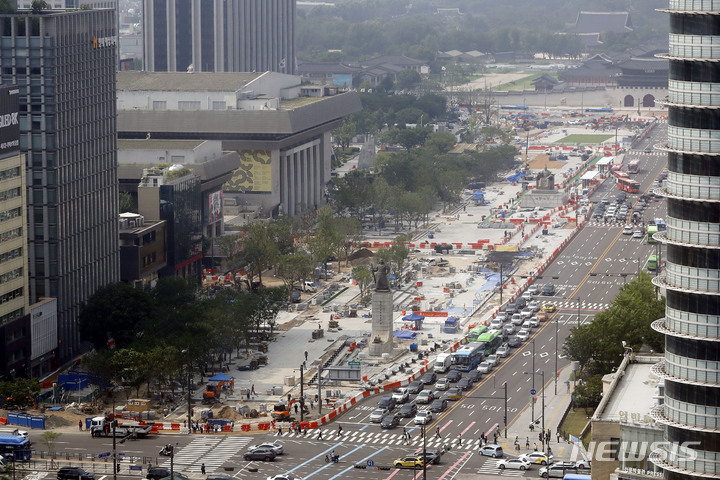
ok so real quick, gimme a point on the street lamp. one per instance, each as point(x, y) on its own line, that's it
point(542, 375)
point(532, 404)
point(189, 397)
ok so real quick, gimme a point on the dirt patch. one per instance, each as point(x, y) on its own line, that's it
point(228, 413)
point(57, 420)
point(542, 161)
point(295, 322)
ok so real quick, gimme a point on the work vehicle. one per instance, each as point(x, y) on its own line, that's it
point(513, 463)
point(74, 473)
point(443, 362)
point(282, 411)
point(451, 325)
point(118, 426)
point(264, 454)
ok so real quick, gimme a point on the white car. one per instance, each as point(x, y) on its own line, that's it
point(401, 395)
point(514, 463)
point(285, 476)
point(533, 290)
point(627, 230)
point(484, 367)
point(274, 446)
point(442, 384)
point(517, 319)
point(527, 312)
point(509, 329)
point(534, 322)
point(377, 415)
point(493, 359)
point(534, 305)
point(502, 316)
point(537, 457)
point(503, 351)
point(523, 335)
point(637, 234)
point(423, 417)
point(496, 324)
point(527, 296)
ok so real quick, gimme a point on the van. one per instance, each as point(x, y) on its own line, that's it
point(309, 286)
point(443, 362)
point(296, 296)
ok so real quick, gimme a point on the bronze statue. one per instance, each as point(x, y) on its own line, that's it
point(381, 279)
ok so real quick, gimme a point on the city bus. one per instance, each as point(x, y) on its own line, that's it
point(652, 263)
point(651, 230)
point(627, 185)
point(15, 447)
point(476, 332)
point(469, 356)
point(492, 341)
point(633, 166)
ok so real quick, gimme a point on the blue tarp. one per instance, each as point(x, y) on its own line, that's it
point(405, 334)
point(220, 377)
point(492, 281)
point(516, 177)
point(413, 317)
point(478, 196)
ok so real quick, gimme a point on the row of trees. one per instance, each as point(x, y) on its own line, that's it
point(598, 345)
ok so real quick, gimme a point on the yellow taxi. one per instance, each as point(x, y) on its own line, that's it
point(411, 461)
point(549, 307)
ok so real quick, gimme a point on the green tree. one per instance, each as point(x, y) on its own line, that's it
point(440, 143)
point(126, 202)
point(579, 346)
point(344, 133)
point(408, 79)
point(293, 268)
point(589, 392)
point(258, 249)
point(39, 6)
point(20, 392)
point(50, 438)
point(115, 311)
point(364, 277)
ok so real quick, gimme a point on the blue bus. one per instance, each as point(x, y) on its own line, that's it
point(16, 447)
point(469, 356)
point(491, 340)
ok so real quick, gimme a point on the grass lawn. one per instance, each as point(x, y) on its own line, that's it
point(583, 138)
point(522, 84)
point(576, 421)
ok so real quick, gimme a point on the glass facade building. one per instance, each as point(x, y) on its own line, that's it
point(63, 63)
point(690, 412)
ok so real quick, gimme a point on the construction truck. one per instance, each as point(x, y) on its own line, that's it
point(282, 412)
point(118, 426)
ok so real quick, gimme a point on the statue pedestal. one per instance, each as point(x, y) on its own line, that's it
point(381, 339)
point(544, 199)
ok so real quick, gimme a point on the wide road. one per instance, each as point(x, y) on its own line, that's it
point(587, 275)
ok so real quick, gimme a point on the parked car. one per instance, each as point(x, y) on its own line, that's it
point(514, 463)
point(491, 450)
point(453, 376)
point(429, 378)
point(390, 421)
point(387, 402)
point(583, 464)
point(264, 454)
point(438, 405)
point(77, 473)
point(423, 417)
point(408, 410)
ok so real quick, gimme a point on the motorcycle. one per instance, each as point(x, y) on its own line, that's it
point(166, 451)
point(334, 458)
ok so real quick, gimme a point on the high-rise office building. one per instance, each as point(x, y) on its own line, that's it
point(691, 370)
point(64, 65)
point(219, 35)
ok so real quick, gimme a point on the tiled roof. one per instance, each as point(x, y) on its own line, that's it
point(598, 22)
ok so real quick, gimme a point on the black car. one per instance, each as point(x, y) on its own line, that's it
point(548, 289)
point(443, 248)
point(387, 402)
point(415, 387)
point(465, 383)
point(514, 342)
point(432, 456)
point(220, 476)
point(408, 410)
point(473, 376)
point(75, 473)
point(453, 376)
point(390, 421)
point(511, 308)
point(263, 453)
point(520, 303)
point(439, 405)
point(156, 473)
point(429, 378)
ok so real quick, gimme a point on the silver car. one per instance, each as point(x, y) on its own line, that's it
point(503, 351)
point(423, 417)
point(377, 415)
point(484, 367)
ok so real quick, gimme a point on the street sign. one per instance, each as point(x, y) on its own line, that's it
point(370, 463)
point(103, 455)
point(533, 391)
point(354, 364)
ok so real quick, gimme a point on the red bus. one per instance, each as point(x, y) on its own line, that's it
point(627, 185)
point(633, 166)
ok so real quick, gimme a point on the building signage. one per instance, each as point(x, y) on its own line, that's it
point(9, 122)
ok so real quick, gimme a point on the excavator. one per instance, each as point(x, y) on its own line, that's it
point(282, 412)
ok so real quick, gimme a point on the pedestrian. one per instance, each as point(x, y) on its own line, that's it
point(495, 438)
point(558, 437)
point(567, 384)
point(252, 389)
point(296, 409)
point(540, 436)
point(517, 440)
point(437, 433)
point(279, 431)
point(527, 442)
point(339, 434)
point(459, 440)
point(306, 355)
point(319, 437)
point(305, 431)
point(202, 469)
point(80, 425)
point(248, 395)
point(480, 440)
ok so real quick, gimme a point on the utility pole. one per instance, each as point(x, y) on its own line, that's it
point(319, 388)
point(302, 393)
point(424, 454)
point(189, 400)
point(506, 409)
point(532, 402)
point(556, 351)
point(114, 424)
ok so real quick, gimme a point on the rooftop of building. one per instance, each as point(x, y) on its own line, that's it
point(634, 395)
point(160, 144)
point(181, 82)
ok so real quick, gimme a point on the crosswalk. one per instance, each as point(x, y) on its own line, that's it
point(490, 468)
point(600, 223)
point(210, 450)
point(582, 305)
